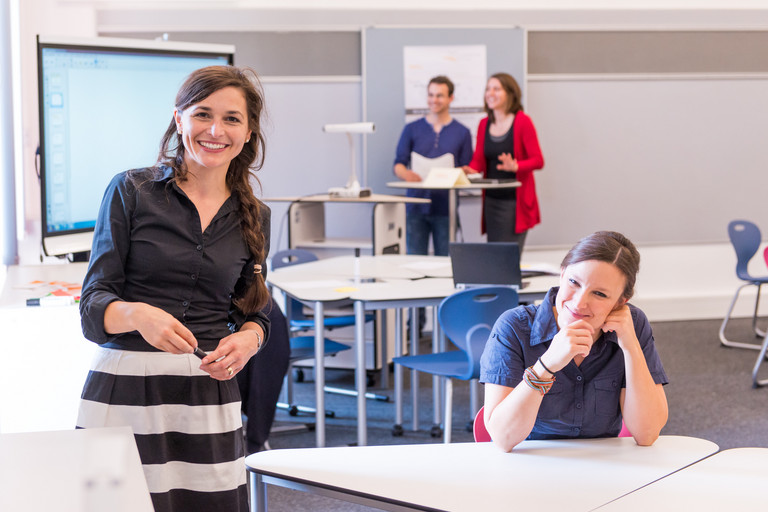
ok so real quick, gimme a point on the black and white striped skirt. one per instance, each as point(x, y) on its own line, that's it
point(188, 426)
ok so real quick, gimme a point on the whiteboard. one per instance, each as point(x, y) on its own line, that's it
point(384, 96)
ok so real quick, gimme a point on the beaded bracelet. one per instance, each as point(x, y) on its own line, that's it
point(536, 382)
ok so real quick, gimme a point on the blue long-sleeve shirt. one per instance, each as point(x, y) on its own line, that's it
point(419, 136)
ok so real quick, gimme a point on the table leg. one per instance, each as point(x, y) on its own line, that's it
point(398, 428)
point(436, 380)
point(360, 377)
point(414, 373)
point(258, 492)
point(452, 214)
point(383, 342)
point(319, 375)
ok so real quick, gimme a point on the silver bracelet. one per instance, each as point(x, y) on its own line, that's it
point(258, 338)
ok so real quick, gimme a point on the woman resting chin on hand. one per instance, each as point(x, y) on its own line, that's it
point(582, 361)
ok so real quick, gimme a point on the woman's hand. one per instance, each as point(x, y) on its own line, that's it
point(233, 353)
point(572, 340)
point(620, 321)
point(508, 163)
point(158, 328)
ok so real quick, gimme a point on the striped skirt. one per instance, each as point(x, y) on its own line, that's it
point(188, 426)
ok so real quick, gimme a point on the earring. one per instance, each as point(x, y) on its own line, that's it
point(247, 141)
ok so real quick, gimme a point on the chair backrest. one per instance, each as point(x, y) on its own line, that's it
point(467, 318)
point(482, 436)
point(745, 238)
point(290, 257)
point(478, 428)
point(286, 258)
point(765, 256)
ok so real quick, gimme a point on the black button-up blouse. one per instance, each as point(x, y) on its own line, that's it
point(148, 247)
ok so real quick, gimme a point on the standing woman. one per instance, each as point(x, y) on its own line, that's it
point(507, 148)
point(580, 362)
point(176, 265)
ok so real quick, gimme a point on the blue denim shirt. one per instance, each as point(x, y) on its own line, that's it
point(584, 400)
point(420, 136)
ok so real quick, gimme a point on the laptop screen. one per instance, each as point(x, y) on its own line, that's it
point(485, 264)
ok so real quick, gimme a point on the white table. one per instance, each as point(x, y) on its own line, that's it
point(734, 479)
point(563, 475)
point(48, 356)
point(90, 470)
point(452, 191)
point(307, 225)
point(401, 281)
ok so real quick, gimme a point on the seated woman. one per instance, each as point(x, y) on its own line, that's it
point(582, 360)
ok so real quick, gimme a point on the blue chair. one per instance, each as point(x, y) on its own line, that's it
point(466, 318)
point(746, 239)
point(297, 320)
point(303, 347)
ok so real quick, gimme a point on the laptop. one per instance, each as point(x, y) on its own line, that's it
point(485, 264)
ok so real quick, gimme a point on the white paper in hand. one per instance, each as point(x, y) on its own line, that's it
point(421, 165)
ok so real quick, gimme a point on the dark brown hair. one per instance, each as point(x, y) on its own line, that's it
point(609, 247)
point(198, 86)
point(514, 96)
point(443, 80)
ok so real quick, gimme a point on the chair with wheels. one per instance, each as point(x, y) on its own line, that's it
point(745, 238)
point(482, 436)
point(303, 347)
point(466, 318)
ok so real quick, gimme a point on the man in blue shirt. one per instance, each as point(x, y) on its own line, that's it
point(432, 136)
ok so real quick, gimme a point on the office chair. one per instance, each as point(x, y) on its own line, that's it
point(303, 347)
point(297, 320)
point(466, 318)
point(745, 238)
point(478, 428)
point(482, 436)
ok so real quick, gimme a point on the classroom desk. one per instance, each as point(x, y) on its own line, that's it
point(307, 224)
point(91, 470)
point(452, 191)
point(573, 475)
point(733, 479)
point(383, 282)
point(47, 356)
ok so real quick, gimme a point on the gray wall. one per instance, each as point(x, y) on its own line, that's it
point(659, 134)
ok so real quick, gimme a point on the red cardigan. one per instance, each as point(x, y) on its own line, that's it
point(529, 159)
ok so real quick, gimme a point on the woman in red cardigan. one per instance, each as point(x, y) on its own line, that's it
point(507, 148)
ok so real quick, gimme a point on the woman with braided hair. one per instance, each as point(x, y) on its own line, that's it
point(175, 272)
